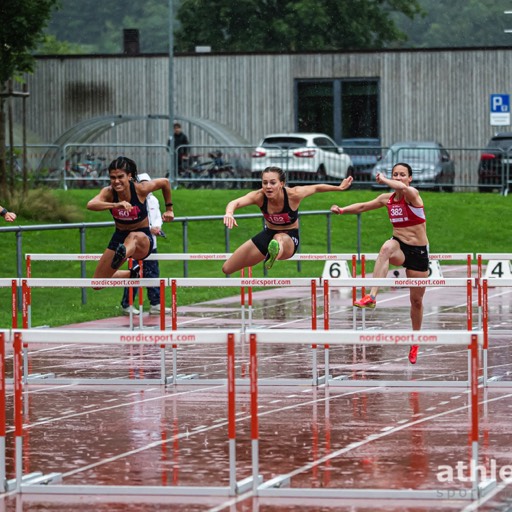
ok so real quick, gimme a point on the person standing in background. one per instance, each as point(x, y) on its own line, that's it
point(151, 268)
point(181, 144)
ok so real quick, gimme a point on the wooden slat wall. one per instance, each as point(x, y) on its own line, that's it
point(437, 94)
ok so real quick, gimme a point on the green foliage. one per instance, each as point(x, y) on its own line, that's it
point(20, 32)
point(44, 205)
point(95, 26)
point(289, 25)
point(52, 46)
point(459, 23)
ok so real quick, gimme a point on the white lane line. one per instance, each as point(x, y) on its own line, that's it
point(373, 437)
point(118, 406)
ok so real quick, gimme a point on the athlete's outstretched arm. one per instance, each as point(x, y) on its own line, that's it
point(253, 197)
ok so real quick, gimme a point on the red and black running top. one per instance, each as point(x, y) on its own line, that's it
point(136, 214)
point(287, 217)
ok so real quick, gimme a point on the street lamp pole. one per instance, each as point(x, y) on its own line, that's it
point(172, 159)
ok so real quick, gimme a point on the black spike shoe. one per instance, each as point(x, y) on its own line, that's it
point(119, 256)
point(135, 271)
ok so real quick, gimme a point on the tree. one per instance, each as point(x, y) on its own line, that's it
point(290, 25)
point(97, 26)
point(459, 23)
point(52, 46)
point(20, 32)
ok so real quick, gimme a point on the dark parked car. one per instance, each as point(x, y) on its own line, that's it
point(365, 153)
point(432, 166)
point(494, 169)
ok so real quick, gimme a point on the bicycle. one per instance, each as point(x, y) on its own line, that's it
point(214, 173)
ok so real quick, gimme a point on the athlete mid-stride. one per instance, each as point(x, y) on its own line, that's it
point(279, 204)
point(408, 246)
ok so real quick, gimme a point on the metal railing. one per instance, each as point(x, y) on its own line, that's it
point(474, 169)
point(185, 221)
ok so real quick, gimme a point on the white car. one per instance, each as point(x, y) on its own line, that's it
point(303, 156)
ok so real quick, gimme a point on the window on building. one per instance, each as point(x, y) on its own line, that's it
point(315, 107)
point(341, 108)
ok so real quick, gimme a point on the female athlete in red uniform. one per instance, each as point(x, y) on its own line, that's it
point(279, 205)
point(409, 245)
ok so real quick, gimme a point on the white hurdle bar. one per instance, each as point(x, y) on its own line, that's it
point(278, 486)
point(46, 484)
point(186, 256)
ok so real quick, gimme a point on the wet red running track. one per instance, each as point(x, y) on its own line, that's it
point(371, 436)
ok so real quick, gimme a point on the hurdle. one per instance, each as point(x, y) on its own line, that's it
point(494, 381)
point(82, 258)
point(278, 486)
point(13, 284)
point(250, 282)
point(468, 283)
point(498, 267)
point(39, 483)
point(28, 284)
point(85, 257)
point(433, 257)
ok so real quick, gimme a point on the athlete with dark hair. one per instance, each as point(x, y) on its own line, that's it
point(279, 205)
point(125, 197)
point(409, 245)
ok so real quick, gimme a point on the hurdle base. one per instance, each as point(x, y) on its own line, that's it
point(344, 381)
point(486, 486)
point(322, 380)
point(497, 381)
point(181, 377)
point(124, 381)
point(36, 478)
point(125, 490)
point(280, 486)
point(247, 484)
point(368, 494)
point(40, 376)
point(278, 482)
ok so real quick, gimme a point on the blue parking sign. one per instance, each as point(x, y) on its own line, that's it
point(500, 110)
point(500, 103)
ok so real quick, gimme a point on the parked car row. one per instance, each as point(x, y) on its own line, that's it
point(310, 157)
point(315, 156)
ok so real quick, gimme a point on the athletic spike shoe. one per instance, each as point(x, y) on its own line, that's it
point(135, 271)
point(366, 302)
point(273, 251)
point(413, 354)
point(119, 256)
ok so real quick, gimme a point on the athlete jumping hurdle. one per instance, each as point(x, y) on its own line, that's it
point(279, 204)
point(125, 197)
point(409, 245)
